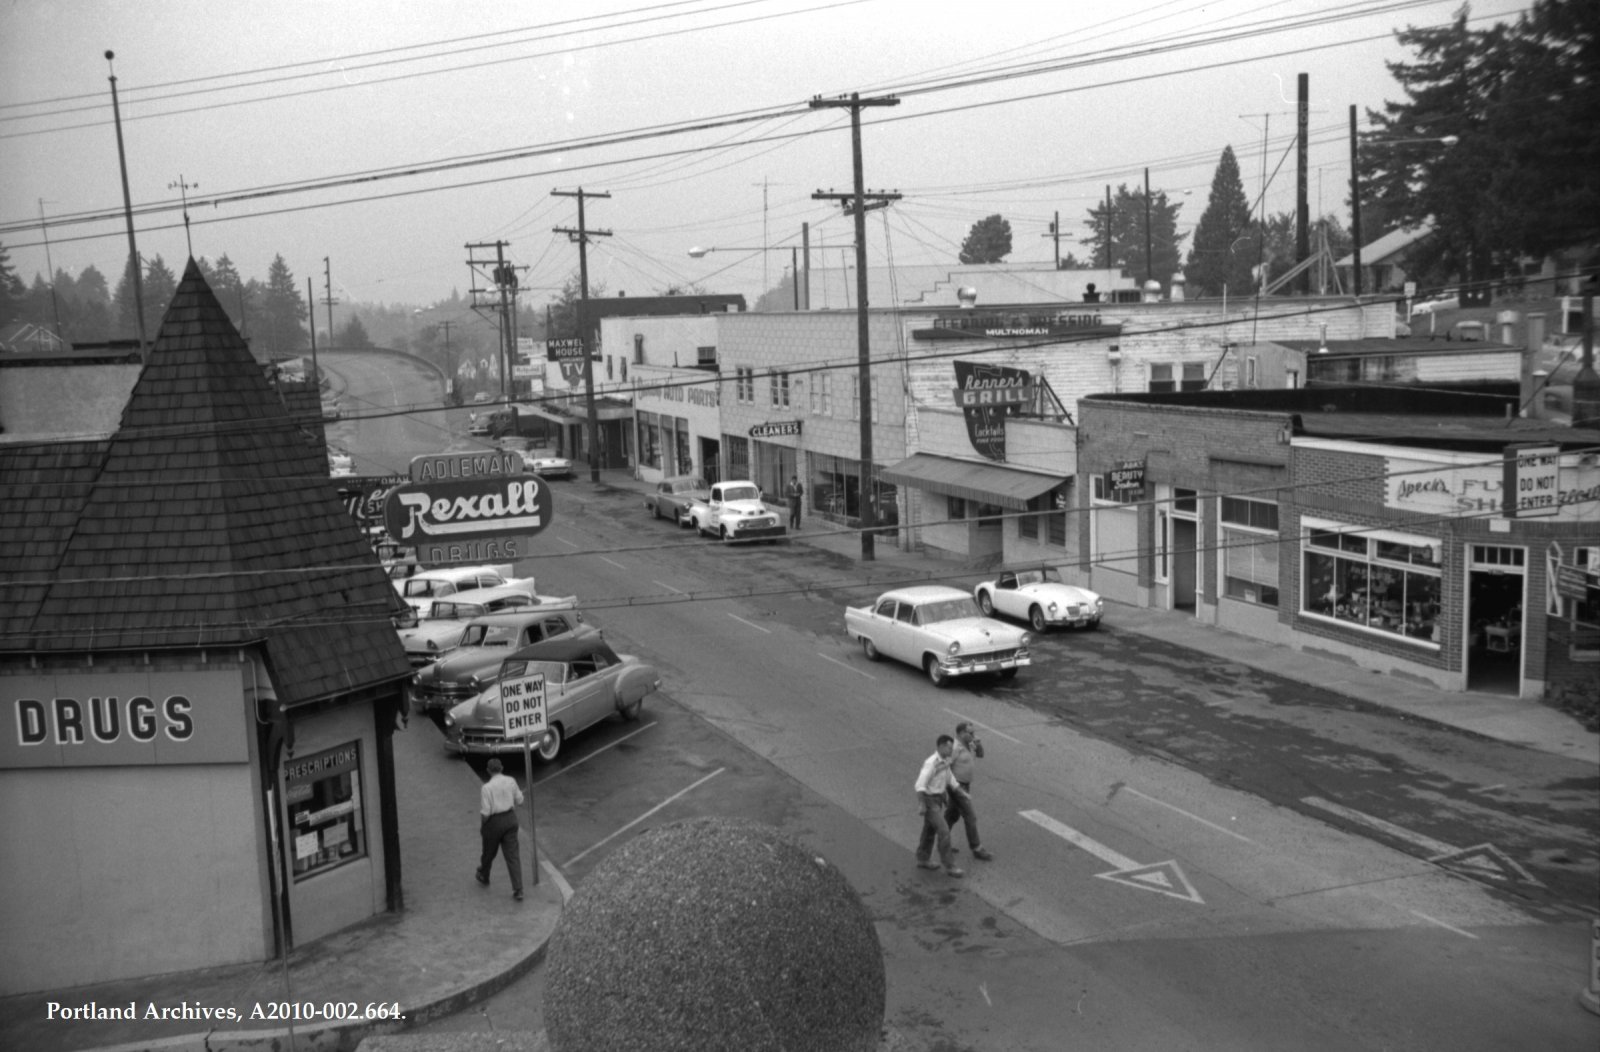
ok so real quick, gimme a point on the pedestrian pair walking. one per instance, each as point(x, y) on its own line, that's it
point(944, 795)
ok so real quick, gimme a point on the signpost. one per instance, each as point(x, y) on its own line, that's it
point(1532, 481)
point(524, 714)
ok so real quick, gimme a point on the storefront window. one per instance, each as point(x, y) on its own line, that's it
point(685, 453)
point(327, 827)
point(738, 448)
point(1250, 550)
point(649, 440)
point(835, 485)
point(1374, 580)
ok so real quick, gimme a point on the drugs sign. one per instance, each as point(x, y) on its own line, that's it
point(467, 509)
point(522, 707)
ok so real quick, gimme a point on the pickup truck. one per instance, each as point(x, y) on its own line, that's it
point(734, 511)
point(940, 630)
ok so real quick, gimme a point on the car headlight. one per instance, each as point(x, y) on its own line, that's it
point(432, 645)
point(954, 648)
point(449, 720)
point(474, 685)
point(1027, 640)
point(1099, 604)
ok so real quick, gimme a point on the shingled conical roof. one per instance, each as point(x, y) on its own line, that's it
point(210, 522)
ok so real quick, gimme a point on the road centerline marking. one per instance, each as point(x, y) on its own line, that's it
point(752, 624)
point(1205, 822)
point(563, 540)
point(1165, 878)
point(613, 562)
point(601, 843)
point(846, 665)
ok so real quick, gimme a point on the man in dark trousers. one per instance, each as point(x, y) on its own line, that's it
point(498, 827)
point(964, 755)
point(933, 782)
point(796, 494)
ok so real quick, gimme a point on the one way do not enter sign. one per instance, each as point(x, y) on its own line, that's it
point(522, 707)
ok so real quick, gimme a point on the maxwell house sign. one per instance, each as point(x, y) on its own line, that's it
point(986, 395)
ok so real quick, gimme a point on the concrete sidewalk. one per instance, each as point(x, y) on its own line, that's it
point(454, 943)
point(1520, 721)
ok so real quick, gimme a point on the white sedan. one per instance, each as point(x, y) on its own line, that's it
point(1041, 598)
point(547, 465)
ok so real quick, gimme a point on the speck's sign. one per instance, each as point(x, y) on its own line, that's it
point(522, 707)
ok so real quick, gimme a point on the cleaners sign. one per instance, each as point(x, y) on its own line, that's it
point(522, 707)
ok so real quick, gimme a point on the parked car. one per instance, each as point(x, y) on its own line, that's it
point(485, 643)
point(421, 589)
point(1041, 598)
point(444, 627)
point(673, 497)
point(940, 630)
point(481, 397)
point(734, 511)
point(480, 424)
point(585, 681)
point(546, 465)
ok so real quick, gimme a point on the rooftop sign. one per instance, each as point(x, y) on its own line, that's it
point(985, 325)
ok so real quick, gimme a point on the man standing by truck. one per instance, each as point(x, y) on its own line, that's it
point(796, 494)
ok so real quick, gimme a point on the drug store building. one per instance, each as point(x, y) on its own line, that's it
point(1367, 523)
point(199, 681)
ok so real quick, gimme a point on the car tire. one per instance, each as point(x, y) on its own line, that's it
point(549, 747)
point(722, 534)
point(985, 604)
point(936, 673)
point(868, 649)
point(1036, 619)
point(630, 710)
point(1007, 673)
point(655, 511)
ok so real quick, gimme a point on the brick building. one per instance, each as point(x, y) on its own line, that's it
point(1367, 523)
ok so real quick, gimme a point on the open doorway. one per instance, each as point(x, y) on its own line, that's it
point(1495, 620)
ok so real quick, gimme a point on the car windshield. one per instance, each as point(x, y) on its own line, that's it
point(1046, 576)
point(687, 485)
point(490, 636)
point(952, 609)
point(741, 493)
point(552, 671)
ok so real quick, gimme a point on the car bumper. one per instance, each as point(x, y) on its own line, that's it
point(759, 533)
point(1073, 620)
point(476, 746)
point(430, 701)
point(975, 666)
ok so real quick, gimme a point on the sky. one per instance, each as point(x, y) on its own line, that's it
point(385, 137)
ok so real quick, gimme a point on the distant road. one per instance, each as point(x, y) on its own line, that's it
point(393, 409)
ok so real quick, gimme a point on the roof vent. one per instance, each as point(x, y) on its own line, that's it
point(968, 296)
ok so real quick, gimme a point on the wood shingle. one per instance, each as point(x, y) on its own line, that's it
point(206, 520)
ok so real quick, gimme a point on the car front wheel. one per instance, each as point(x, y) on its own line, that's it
point(629, 710)
point(985, 604)
point(655, 511)
point(549, 746)
point(1036, 619)
point(868, 650)
point(936, 672)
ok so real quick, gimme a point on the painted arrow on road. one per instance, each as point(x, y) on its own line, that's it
point(1166, 878)
point(1480, 860)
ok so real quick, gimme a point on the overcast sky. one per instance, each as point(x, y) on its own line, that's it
point(247, 102)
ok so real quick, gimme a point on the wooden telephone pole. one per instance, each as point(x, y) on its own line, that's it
point(581, 236)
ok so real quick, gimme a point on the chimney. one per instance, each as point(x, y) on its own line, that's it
point(1507, 320)
point(1177, 288)
point(1530, 356)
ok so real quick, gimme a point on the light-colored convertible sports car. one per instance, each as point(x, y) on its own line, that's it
point(1041, 598)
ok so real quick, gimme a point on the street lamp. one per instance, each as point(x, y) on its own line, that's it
point(1355, 189)
point(698, 252)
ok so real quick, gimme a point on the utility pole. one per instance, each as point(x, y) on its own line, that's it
point(1355, 201)
point(1108, 226)
point(504, 276)
point(805, 241)
point(327, 296)
point(311, 312)
point(127, 210)
point(1302, 226)
point(1149, 264)
point(55, 304)
point(1055, 235)
point(857, 204)
point(581, 236)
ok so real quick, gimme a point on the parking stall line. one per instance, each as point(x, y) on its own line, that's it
point(1442, 924)
point(569, 544)
point(602, 843)
point(844, 665)
point(668, 587)
point(597, 752)
point(613, 562)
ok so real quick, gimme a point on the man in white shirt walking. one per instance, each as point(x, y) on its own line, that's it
point(933, 783)
point(498, 826)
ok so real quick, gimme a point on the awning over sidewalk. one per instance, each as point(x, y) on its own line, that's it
point(607, 410)
point(989, 483)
